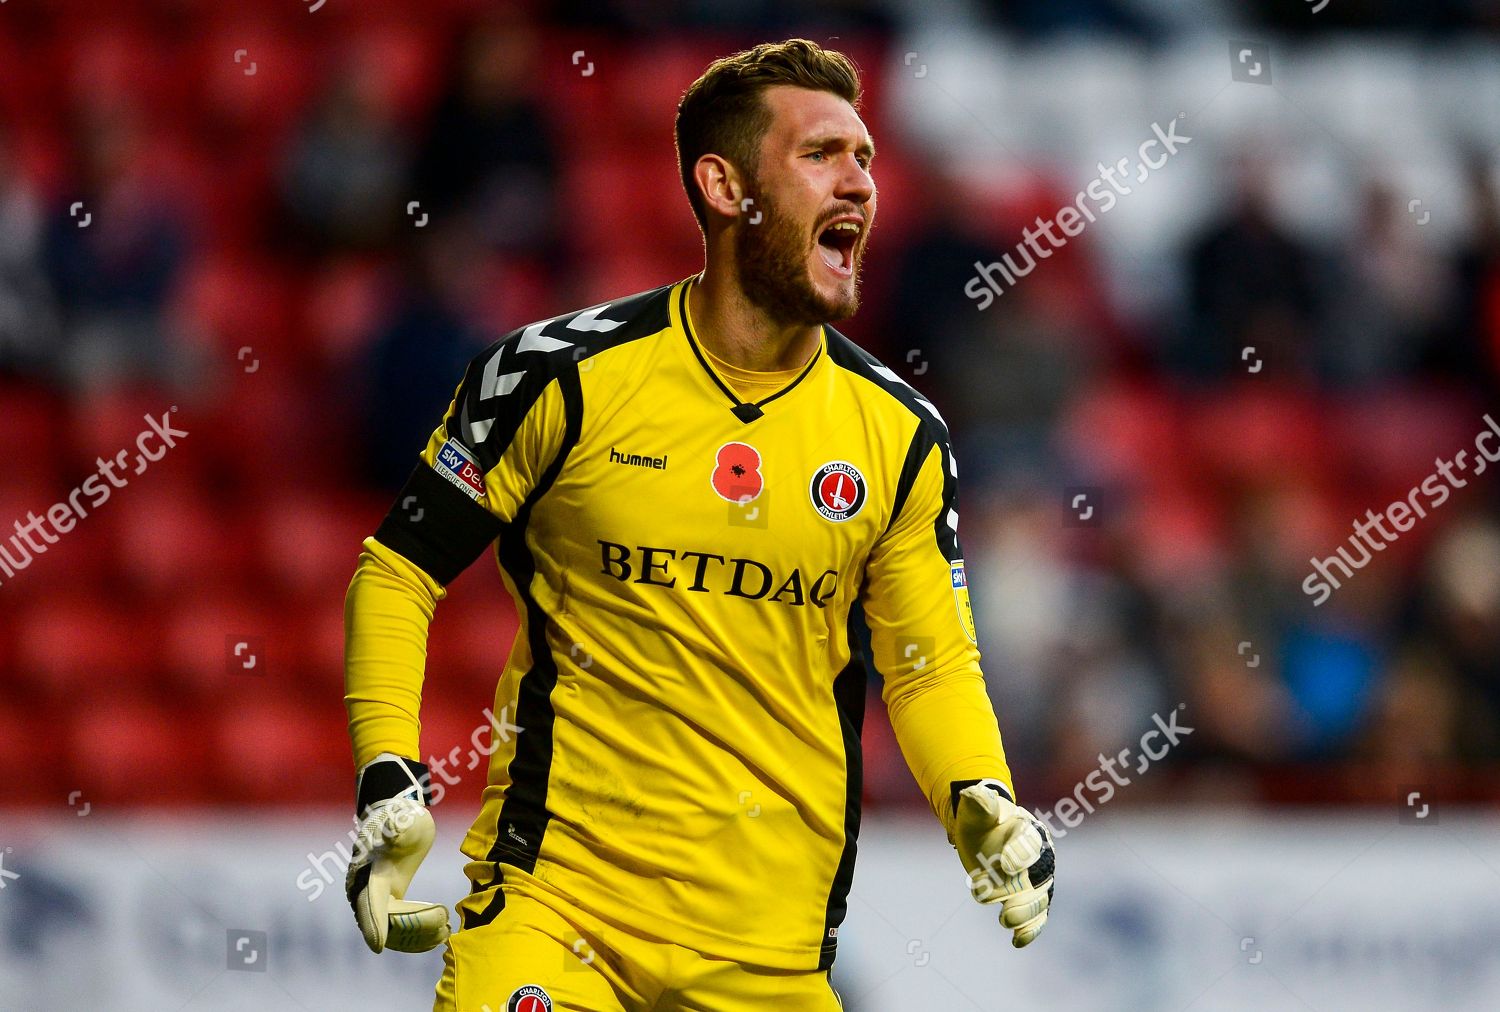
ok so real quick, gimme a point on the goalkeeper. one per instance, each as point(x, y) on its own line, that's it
point(715, 514)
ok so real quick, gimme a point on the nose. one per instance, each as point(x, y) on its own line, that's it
point(855, 184)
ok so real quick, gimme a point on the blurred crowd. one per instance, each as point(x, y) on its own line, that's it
point(1293, 387)
point(357, 218)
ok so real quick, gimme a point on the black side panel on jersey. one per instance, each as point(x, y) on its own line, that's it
point(848, 355)
point(849, 690)
point(521, 824)
point(435, 525)
point(522, 821)
point(916, 456)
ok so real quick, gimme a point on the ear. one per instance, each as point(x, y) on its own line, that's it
point(721, 186)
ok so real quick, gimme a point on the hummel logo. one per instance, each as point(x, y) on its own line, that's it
point(635, 459)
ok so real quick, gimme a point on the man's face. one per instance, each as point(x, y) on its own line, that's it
point(816, 202)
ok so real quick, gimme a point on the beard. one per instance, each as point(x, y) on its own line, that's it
point(776, 276)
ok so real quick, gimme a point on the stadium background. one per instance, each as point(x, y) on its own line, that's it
point(210, 210)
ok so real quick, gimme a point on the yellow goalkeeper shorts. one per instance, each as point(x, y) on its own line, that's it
point(537, 956)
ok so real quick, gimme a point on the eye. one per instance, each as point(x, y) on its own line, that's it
point(816, 155)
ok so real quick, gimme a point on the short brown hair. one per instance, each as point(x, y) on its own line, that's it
point(723, 113)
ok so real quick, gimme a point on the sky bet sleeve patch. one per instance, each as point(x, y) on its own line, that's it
point(454, 463)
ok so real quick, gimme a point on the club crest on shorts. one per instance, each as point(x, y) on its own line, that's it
point(529, 998)
point(838, 490)
point(736, 475)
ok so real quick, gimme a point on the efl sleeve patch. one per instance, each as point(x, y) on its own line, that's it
point(961, 598)
point(454, 463)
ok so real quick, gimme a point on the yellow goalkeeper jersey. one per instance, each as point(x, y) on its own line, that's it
point(703, 584)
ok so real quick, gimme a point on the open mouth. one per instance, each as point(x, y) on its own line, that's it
point(836, 245)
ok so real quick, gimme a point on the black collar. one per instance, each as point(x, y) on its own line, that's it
point(743, 410)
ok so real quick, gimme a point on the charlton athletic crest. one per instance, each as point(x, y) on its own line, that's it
point(838, 490)
point(529, 999)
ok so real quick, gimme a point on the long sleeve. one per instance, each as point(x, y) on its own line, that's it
point(479, 467)
point(387, 612)
point(916, 603)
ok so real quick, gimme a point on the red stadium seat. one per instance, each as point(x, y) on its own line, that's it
point(83, 645)
point(1393, 436)
point(581, 105)
point(652, 78)
point(634, 198)
point(887, 780)
point(317, 654)
point(112, 64)
point(238, 302)
point(114, 425)
point(265, 438)
point(517, 290)
point(214, 643)
point(272, 749)
point(27, 77)
point(35, 753)
point(261, 94)
point(1258, 434)
point(346, 307)
point(79, 557)
point(472, 633)
point(449, 729)
point(29, 419)
point(132, 750)
point(170, 539)
point(1176, 535)
point(310, 542)
point(400, 58)
point(612, 277)
point(1125, 433)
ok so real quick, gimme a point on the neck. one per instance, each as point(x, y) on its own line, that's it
point(744, 334)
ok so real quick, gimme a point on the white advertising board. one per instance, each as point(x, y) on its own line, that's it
point(1154, 910)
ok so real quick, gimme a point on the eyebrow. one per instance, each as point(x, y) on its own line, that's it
point(865, 147)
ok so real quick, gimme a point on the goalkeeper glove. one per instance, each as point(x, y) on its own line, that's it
point(1008, 854)
point(395, 832)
